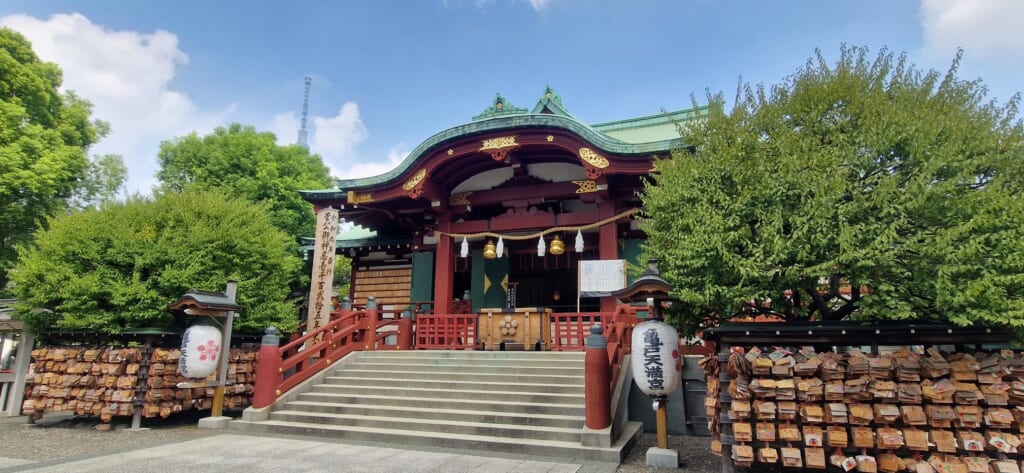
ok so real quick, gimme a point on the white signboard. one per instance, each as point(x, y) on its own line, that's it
point(600, 277)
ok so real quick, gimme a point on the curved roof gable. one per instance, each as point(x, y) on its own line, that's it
point(549, 113)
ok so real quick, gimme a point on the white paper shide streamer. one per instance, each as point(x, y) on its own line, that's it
point(500, 250)
point(541, 247)
point(200, 350)
point(655, 360)
point(579, 241)
point(464, 251)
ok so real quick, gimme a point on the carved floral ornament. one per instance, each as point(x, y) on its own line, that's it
point(415, 180)
point(585, 186)
point(590, 157)
point(499, 147)
point(460, 199)
point(499, 143)
point(355, 198)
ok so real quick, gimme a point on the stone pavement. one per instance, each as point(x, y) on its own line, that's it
point(256, 454)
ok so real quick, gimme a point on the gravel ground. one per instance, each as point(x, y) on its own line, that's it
point(694, 455)
point(60, 436)
point(63, 437)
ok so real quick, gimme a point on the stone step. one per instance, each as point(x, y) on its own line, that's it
point(559, 361)
point(481, 367)
point(428, 393)
point(446, 427)
point(426, 354)
point(446, 403)
point(522, 446)
point(344, 380)
point(577, 380)
point(435, 414)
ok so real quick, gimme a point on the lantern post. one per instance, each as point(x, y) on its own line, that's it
point(222, 371)
point(657, 367)
point(216, 305)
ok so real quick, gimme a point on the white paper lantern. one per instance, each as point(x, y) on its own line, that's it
point(200, 351)
point(655, 360)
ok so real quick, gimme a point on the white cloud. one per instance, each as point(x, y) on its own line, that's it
point(483, 5)
point(395, 157)
point(539, 5)
point(990, 35)
point(335, 138)
point(126, 75)
point(985, 29)
point(285, 126)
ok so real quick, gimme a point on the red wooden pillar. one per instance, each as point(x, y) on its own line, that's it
point(444, 269)
point(608, 246)
point(268, 370)
point(597, 379)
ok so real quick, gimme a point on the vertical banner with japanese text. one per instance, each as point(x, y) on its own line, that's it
point(323, 269)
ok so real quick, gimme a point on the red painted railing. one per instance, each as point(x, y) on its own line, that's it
point(282, 368)
point(618, 329)
point(446, 332)
point(569, 330)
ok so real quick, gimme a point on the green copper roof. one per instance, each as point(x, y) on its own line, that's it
point(658, 127)
point(498, 108)
point(638, 136)
point(551, 103)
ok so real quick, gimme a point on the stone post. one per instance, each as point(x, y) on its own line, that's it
point(370, 327)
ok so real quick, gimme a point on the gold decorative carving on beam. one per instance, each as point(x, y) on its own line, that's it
point(551, 138)
point(451, 151)
point(359, 197)
point(499, 143)
point(590, 157)
point(460, 199)
point(585, 187)
point(415, 180)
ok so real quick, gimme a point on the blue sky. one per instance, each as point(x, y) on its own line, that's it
point(388, 74)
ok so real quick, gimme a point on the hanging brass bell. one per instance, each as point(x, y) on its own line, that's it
point(490, 252)
point(557, 247)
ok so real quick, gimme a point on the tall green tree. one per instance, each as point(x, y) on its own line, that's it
point(248, 164)
point(866, 188)
point(103, 180)
point(118, 267)
point(44, 135)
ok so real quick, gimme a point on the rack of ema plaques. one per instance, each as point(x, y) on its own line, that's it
point(848, 397)
point(515, 329)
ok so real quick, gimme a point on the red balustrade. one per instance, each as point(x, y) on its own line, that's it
point(569, 330)
point(282, 368)
point(446, 332)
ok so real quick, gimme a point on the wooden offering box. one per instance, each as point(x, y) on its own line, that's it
point(518, 329)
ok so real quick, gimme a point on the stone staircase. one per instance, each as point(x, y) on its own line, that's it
point(528, 403)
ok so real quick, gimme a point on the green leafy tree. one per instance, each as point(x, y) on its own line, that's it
point(119, 267)
point(103, 180)
point(248, 164)
point(861, 189)
point(44, 135)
